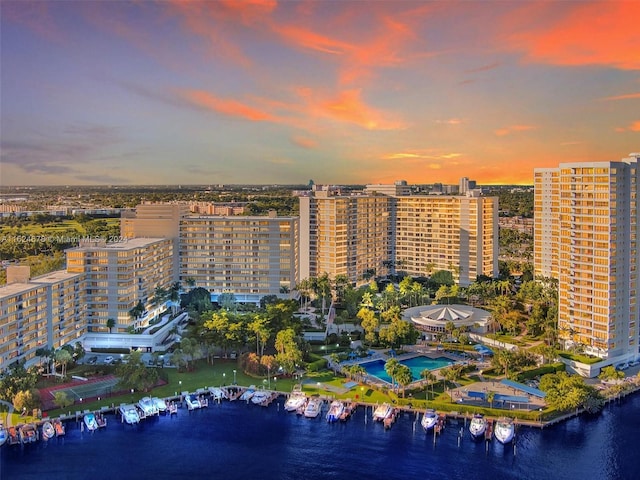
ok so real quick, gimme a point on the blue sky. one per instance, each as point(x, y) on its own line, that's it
point(263, 92)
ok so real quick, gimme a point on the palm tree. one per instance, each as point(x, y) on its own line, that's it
point(392, 367)
point(63, 357)
point(403, 376)
point(491, 396)
point(110, 323)
point(430, 378)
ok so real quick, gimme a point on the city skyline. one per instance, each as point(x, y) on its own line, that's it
point(352, 92)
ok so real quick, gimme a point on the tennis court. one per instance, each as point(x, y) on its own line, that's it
point(100, 388)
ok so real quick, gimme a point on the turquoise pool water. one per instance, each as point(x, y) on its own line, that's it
point(416, 364)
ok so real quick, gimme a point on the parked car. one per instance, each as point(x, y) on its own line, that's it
point(108, 360)
point(92, 360)
point(622, 366)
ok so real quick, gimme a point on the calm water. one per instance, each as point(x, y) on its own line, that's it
point(240, 441)
point(416, 364)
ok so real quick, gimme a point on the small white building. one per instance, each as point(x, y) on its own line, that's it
point(432, 319)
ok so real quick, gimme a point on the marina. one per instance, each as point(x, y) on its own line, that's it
point(237, 429)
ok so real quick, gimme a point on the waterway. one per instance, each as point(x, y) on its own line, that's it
point(235, 440)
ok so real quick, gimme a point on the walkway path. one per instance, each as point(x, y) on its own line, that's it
point(10, 411)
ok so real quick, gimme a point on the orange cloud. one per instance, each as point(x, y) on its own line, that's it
point(501, 132)
point(349, 107)
point(304, 142)
point(579, 33)
point(232, 108)
point(628, 96)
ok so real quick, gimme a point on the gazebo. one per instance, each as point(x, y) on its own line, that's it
point(433, 318)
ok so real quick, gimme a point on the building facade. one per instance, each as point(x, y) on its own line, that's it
point(591, 213)
point(250, 257)
point(359, 235)
point(46, 311)
point(120, 275)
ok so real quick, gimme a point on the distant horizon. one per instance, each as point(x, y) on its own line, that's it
point(351, 92)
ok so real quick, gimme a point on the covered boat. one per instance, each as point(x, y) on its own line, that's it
point(335, 411)
point(477, 426)
point(47, 430)
point(504, 430)
point(90, 422)
point(381, 412)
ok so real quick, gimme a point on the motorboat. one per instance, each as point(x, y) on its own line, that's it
point(47, 431)
point(429, 419)
point(148, 406)
point(313, 408)
point(3, 434)
point(160, 405)
point(381, 412)
point(478, 426)
point(260, 397)
point(129, 414)
point(101, 420)
point(28, 433)
point(248, 393)
point(59, 427)
point(217, 393)
point(335, 411)
point(504, 430)
point(192, 401)
point(173, 408)
point(90, 422)
point(296, 400)
point(13, 437)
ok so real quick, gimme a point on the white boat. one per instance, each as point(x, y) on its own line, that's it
point(90, 422)
point(313, 408)
point(335, 411)
point(381, 412)
point(148, 406)
point(248, 393)
point(3, 434)
point(28, 433)
point(504, 430)
point(429, 419)
point(260, 397)
point(47, 431)
point(217, 393)
point(192, 400)
point(478, 426)
point(129, 414)
point(160, 404)
point(296, 400)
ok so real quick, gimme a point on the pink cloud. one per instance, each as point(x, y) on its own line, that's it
point(227, 107)
point(501, 132)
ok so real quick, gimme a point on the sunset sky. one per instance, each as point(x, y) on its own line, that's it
point(341, 92)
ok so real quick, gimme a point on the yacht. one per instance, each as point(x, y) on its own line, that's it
point(160, 405)
point(504, 430)
point(90, 422)
point(478, 426)
point(296, 400)
point(129, 414)
point(148, 406)
point(3, 434)
point(248, 393)
point(335, 411)
point(260, 397)
point(382, 412)
point(192, 400)
point(313, 408)
point(429, 419)
point(217, 393)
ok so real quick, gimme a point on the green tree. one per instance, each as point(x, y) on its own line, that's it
point(403, 377)
point(429, 377)
point(63, 358)
point(259, 328)
point(370, 324)
point(609, 373)
point(61, 399)
point(289, 354)
point(136, 375)
point(27, 400)
point(110, 324)
point(392, 366)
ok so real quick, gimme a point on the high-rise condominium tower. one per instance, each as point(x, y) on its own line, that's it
point(375, 233)
point(586, 231)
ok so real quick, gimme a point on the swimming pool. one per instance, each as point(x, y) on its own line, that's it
point(415, 364)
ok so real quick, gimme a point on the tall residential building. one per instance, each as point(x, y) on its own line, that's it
point(248, 256)
point(354, 235)
point(586, 237)
point(119, 275)
point(344, 234)
point(454, 233)
point(46, 311)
